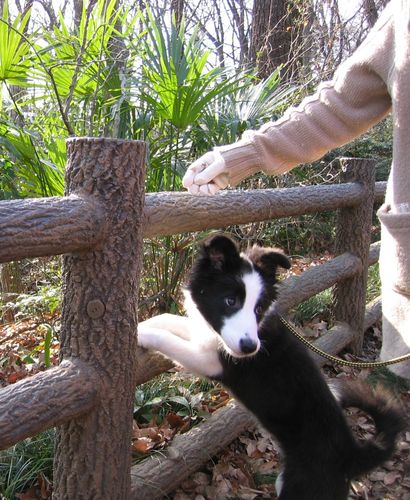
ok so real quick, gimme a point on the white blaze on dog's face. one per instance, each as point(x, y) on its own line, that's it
point(239, 330)
point(231, 291)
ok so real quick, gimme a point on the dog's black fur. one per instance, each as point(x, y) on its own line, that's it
point(282, 386)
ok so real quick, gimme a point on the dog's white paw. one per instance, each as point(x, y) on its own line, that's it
point(151, 337)
point(146, 336)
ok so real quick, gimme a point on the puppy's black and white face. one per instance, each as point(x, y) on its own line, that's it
point(232, 290)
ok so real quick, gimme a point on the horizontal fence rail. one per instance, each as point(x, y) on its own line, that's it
point(52, 231)
point(297, 289)
point(39, 227)
point(153, 477)
point(173, 213)
point(46, 399)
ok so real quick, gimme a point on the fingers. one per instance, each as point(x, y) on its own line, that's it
point(205, 189)
point(207, 175)
point(188, 179)
point(196, 167)
point(221, 180)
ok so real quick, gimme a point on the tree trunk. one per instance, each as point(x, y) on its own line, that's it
point(177, 9)
point(99, 320)
point(370, 10)
point(78, 10)
point(275, 27)
point(237, 9)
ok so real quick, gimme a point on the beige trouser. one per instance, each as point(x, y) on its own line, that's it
point(395, 276)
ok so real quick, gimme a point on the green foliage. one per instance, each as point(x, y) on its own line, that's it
point(320, 304)
point(176, 90)
point(21, 465)
point(261, 478)
point(29, 169)
point(249, 106)
point(167, 260)
point(373, 283)
point(72, 82)
point(44, 349)
point(177, 84)
point(316, 306)
point(82, 68)
point(165, 394)
point(105, 77)
point(387, 378)
point(133, 75)
point(14, 49)
point(45, 301)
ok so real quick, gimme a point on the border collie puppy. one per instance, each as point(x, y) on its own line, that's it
point(231, 335)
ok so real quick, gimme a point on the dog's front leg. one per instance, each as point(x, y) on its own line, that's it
point(194, 357)
point(178, 325)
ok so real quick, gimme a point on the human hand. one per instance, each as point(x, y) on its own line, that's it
point(206, 175)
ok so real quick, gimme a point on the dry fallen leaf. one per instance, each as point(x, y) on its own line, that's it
point(142, 445)
point(391, 477)
point(29, 494)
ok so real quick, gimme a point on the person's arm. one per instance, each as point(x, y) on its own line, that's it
point(340, 110)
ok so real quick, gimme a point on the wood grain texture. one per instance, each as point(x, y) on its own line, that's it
point(353, 231)
point(380, 191)
point(373, 312)
point(49, 226)
point(46, 400)
point(99, 320)
point(332, 342)
point(172, 213)
point(374, 253)
point(53, 226)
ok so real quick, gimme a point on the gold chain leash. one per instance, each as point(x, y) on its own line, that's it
point(334, 359)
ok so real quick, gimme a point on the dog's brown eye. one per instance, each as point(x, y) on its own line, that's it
point(230, 301)
point(258, 310)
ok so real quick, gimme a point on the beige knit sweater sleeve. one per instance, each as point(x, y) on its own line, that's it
point(340, 110)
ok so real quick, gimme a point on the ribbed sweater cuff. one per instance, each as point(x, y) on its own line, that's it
point(241, 160)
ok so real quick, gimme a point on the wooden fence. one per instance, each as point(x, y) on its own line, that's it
point(99, 225)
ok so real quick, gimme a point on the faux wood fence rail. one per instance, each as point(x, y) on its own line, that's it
point(99, 225)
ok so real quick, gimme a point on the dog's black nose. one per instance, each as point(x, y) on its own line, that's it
point(247, 345)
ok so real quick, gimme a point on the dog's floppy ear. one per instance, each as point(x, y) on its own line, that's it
point(221, 251)
point(268, 259)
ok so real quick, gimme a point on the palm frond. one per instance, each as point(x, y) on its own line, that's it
point(14, 49)
point(177, 84)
